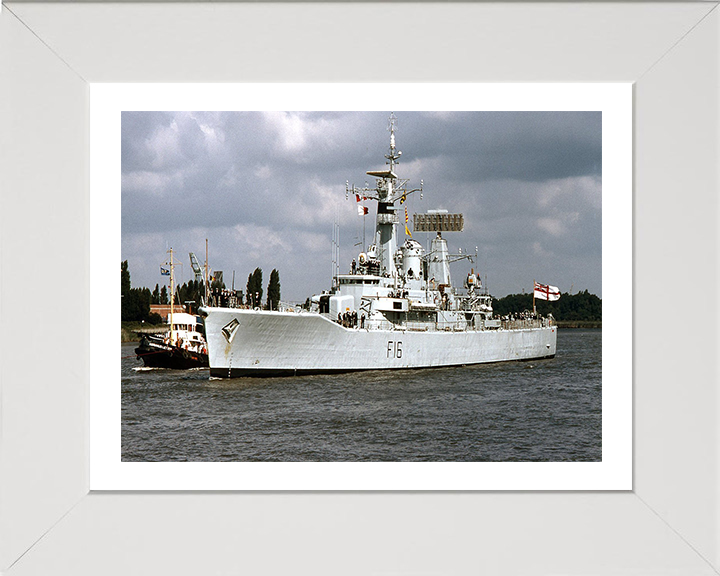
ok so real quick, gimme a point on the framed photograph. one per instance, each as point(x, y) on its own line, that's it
point(261, 161)
point(67, 487)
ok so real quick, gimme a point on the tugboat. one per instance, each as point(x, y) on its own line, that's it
point(397, 307)
point(183, 346)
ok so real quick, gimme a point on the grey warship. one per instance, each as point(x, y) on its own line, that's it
point(397, 308)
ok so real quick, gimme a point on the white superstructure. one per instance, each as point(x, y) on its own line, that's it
point(397, 308)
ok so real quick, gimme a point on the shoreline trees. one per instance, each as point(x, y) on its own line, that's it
point(273, 291)
point(582, 306)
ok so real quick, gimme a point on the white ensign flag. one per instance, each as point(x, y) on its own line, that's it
point(546, 292)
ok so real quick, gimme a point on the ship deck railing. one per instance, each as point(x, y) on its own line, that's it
point(525, 323)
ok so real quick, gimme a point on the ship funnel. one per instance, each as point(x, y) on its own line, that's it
point(439, 265)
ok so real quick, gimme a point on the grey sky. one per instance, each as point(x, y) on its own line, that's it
point(266, 187)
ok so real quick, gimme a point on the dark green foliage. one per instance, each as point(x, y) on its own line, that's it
point(124, 278)
point(273, 290)
point(580, 306)
point(124, 291)
point(135, 302)
point(190, 294)
point(248, 288)
point(155, 318)
point(254, 289)
point(135, 306)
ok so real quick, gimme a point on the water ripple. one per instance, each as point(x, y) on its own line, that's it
point(547, 410)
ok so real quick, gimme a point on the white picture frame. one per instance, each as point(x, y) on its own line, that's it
point(668, 523)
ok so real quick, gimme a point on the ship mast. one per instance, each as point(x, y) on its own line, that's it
point(394, 155)
point(172, 296)
point(172, 263)
point(389, 189)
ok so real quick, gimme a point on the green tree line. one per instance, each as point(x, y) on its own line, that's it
point(254, 290)
point(135, 303)
point(580, 306)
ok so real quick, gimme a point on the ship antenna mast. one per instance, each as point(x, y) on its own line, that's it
point(394, 155)
point(172, 263)
point(172, 295)
point(388, 190)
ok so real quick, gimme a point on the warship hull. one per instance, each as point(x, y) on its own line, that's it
point(245, 343)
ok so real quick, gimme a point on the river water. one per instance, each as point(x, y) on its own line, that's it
point(547, 410)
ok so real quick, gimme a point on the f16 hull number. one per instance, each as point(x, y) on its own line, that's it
point(394, 349)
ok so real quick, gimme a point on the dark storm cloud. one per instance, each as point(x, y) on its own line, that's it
point(529, 146)
point(266, 187)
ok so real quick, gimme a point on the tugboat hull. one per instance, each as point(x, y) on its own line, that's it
point(157, 356)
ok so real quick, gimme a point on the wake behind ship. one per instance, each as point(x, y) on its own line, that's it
point(396, 309)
